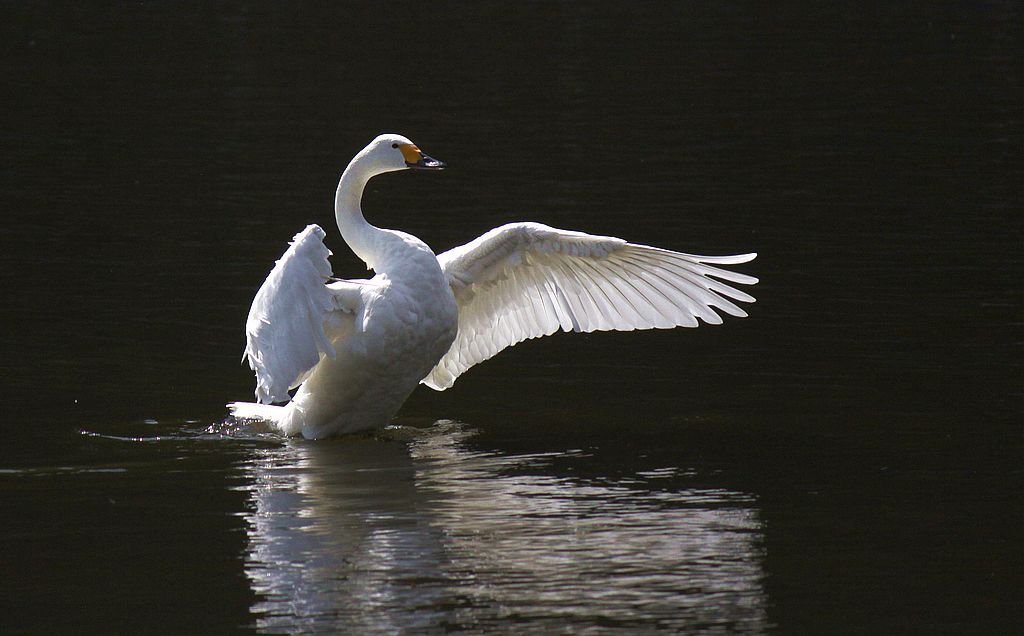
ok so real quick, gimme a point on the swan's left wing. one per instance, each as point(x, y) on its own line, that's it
point(285, 333)
point(526, 280)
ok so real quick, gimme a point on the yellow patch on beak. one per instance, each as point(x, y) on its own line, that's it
point(411, 153)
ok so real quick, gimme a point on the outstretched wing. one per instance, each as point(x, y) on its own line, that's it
point(526, 280)
point(284, 333)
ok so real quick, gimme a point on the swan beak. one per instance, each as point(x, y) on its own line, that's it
point(427, 163)
point(415, 159)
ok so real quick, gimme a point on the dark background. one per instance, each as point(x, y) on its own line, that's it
point(157, 157)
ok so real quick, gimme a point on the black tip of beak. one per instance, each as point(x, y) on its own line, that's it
point(427, 163)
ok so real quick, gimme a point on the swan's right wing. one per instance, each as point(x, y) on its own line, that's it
point(526, 280)
point(284, 333)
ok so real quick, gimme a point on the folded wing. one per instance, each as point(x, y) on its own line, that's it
point(526, 280)
point(284, 333)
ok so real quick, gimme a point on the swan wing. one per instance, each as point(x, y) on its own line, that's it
point(285, 332)
point(526, 280)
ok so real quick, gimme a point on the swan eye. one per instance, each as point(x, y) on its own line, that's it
point(394, 145)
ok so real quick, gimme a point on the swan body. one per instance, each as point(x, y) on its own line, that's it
point(356, 349)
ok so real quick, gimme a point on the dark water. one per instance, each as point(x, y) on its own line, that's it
point(847, 459)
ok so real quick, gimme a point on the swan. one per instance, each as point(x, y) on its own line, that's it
point(356, 349)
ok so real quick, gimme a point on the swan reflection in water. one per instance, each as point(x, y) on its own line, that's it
point(367, 535)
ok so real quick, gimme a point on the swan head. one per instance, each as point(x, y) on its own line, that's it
point(390, 152)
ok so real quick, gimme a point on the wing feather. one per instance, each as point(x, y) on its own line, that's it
point(284, 332)
point(526, 280)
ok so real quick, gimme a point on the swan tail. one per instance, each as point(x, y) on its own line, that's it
point(252, 411)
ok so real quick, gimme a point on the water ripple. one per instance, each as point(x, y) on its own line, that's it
point(370, 535)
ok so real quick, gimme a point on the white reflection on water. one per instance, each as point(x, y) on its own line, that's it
point(364, 535)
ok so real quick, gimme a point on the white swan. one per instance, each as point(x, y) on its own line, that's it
point(356, 349)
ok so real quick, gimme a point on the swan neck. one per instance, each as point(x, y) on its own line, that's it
point(360, 235)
